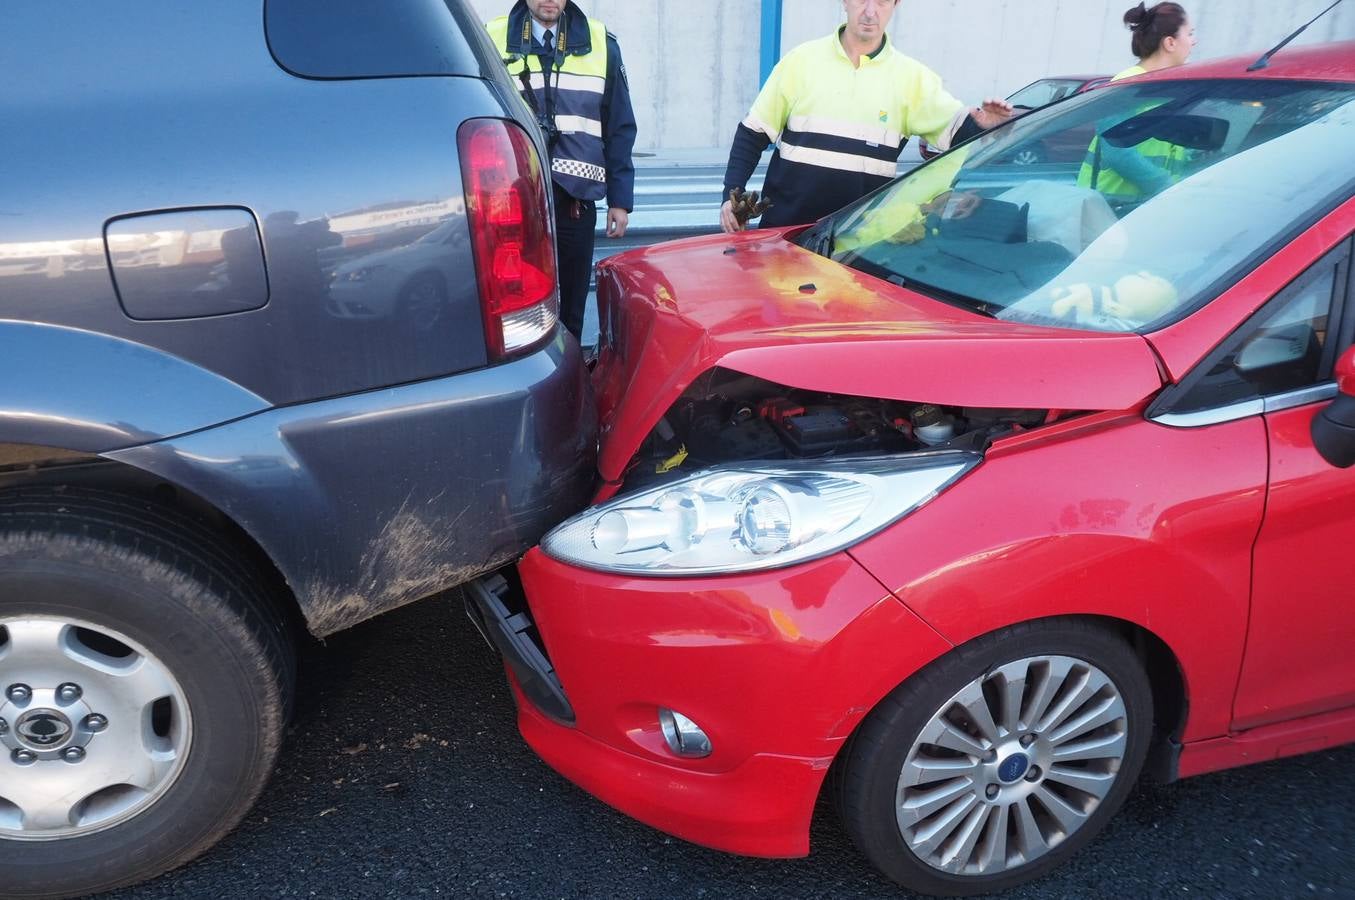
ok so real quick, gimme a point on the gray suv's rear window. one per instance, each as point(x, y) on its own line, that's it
point(372, 38)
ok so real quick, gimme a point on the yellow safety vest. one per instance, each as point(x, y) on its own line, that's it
point(577, 85)
point(821, 110)
point(838, 129)
point(1096, 174)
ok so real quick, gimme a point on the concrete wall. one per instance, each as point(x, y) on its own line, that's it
point(693, 64)
point(988, 48)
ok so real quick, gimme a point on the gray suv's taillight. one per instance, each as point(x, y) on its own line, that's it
point(509, 218)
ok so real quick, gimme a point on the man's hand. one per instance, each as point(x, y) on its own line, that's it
point(728, 221)
point(618, 220)
point(992, 113)
point(729, 224)
point(742, 207)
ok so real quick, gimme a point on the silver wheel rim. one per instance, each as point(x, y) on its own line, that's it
point(94, 728)
point(1012, 766)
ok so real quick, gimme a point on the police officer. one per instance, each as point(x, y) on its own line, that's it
point(839, 110)
point(569, 71)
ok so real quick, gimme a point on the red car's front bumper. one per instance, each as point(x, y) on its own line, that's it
point(760, 808)
point(777, 668)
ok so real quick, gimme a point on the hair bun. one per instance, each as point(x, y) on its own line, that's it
point(1138, 17)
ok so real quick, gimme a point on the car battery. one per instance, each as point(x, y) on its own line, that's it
point(817, 433)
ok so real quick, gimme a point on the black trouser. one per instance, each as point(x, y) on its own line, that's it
point(576, 223)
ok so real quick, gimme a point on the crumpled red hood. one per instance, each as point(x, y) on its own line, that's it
point(758, 304)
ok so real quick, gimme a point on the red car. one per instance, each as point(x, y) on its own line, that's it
point(975, 502)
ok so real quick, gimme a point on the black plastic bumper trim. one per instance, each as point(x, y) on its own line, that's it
point(506, 631)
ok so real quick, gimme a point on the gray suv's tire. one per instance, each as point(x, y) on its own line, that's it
point(153, 684)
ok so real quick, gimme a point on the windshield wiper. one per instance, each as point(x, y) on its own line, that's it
point(964, 302)
point(821, 238)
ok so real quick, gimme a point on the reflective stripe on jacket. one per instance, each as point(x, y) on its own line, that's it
point(577, 85)
point(1097, 173)
point(838, 129)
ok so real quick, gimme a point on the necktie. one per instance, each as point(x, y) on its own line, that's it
point(548, 41)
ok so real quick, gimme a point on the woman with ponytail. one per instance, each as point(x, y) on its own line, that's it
point(1163, 38)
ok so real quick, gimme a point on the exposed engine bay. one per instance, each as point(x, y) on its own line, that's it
point(726, 416)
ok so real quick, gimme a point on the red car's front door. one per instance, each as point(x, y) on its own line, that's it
point(1300, 657)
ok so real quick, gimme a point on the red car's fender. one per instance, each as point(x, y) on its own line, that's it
point(1115, 517)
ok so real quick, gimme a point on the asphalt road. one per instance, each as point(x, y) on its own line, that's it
point(404, 776)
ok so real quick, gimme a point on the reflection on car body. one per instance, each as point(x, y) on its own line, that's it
point(409, 280)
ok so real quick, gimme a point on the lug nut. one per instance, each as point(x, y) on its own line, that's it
point(73, 754)
point(24, 757)
point(4, 727)
point(1027, 740)
point(1034, 774)
point(991, 757)
point(69, 693)
point(19, 693)
point(992, 792)
point(95, 722)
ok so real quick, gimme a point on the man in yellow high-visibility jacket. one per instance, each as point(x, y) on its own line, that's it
point(839, 110)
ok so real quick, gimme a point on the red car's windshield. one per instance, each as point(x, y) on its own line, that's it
point(1185, 184)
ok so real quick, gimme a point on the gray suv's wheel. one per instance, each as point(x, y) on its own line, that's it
point(143, 689)
point(993, 765)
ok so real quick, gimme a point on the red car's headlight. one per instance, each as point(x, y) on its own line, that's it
point(753, 516)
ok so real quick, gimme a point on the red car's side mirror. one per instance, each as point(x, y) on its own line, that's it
point(1334, 426)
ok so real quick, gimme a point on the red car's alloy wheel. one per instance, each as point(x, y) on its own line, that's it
point(1012, 765)
point(999, 760)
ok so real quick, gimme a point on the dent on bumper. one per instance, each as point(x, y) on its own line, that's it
point(778, 668)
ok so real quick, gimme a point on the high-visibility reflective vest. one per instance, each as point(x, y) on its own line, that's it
point(838, 129)
point(578, 163)
point(1097, 174)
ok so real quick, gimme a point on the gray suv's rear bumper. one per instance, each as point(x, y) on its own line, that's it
point(370, 501)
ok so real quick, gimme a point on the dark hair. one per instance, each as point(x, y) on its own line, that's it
point(1152, 25)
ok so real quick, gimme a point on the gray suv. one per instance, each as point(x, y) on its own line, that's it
point(278, 353)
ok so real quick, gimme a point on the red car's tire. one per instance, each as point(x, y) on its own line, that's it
point(956, 818)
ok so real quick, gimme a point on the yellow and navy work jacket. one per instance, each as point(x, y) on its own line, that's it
point(838, 129)
point(574, 85)
point(1167, 160)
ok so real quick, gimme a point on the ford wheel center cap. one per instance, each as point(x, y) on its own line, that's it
point(1014, 768)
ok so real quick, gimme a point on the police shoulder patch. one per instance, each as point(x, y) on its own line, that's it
point(625, 79)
